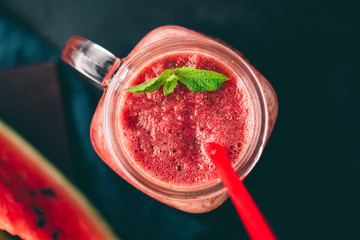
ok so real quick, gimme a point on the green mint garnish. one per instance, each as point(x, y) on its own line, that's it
point(195, 79)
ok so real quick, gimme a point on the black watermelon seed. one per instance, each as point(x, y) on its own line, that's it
point(48, 192)
point(38, 211)
point(41, 222)
point(31, 193)
point(55, 235)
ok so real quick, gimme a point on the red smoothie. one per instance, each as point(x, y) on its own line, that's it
point(154, 142)
point(163, 135)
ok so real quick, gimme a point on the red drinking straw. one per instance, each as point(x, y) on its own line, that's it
point(253, 220)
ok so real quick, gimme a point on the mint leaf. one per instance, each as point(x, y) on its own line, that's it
point(195, 79)
point(152, 85)
point(200, 80)
point(149, 86)
point(170, 84)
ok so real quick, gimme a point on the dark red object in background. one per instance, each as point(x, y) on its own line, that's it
point(30, 102)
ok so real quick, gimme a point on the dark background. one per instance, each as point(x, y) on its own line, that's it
point(307, 180)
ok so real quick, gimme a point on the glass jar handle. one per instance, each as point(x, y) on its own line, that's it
point(90, 59)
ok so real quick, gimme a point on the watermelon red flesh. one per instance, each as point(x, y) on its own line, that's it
point(37, 202)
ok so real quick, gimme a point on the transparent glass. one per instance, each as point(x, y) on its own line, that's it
point(90, 59)
point(104, 130)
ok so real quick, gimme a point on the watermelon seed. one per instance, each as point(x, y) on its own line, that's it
point(55, 235)
point(41, 222)
point(48, 192)
point(38, 211)
point(31, 193)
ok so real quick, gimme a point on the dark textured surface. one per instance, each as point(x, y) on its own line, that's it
point(30, 101)
point(308, 178)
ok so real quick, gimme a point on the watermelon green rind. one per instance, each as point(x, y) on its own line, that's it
point(39, 162)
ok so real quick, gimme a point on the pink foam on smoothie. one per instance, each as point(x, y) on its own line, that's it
point(163, 134)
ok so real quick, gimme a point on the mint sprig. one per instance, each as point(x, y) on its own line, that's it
point(196, 80)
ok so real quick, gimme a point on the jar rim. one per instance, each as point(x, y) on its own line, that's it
point(159, 47)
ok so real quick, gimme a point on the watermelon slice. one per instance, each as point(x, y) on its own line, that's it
point(37, 202)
